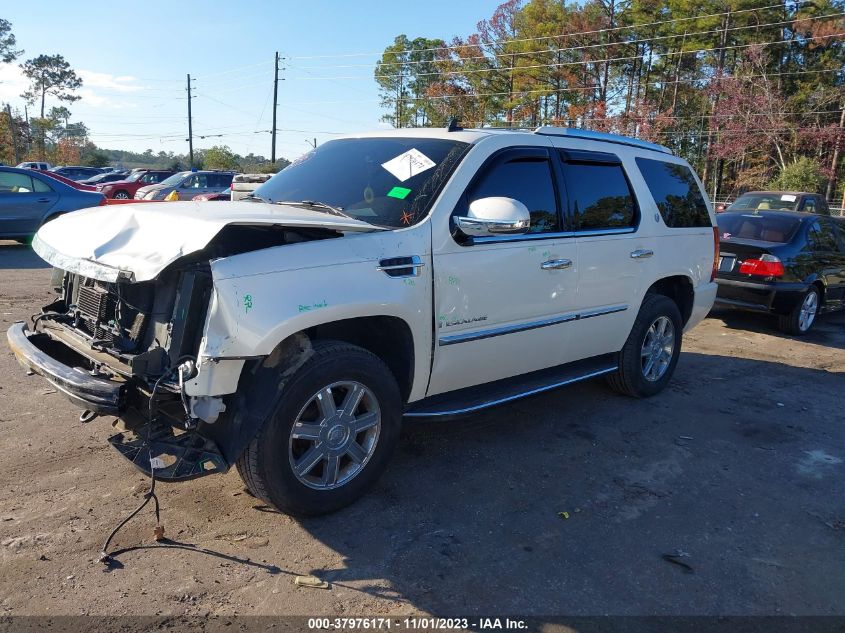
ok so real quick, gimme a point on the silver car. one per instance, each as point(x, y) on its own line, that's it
point(187, 184)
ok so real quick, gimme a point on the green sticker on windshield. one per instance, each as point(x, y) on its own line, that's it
point(398, 192)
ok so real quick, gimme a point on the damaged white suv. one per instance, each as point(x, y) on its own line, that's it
point(412, 273)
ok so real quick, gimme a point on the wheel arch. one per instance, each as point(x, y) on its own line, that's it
point(387, 337)
point(680, 289)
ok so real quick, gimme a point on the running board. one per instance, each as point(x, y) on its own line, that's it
point(472, 399)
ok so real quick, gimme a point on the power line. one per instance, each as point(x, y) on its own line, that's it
point(555, 37)
point(588, 61)
point(575, 48)
point(552, 90)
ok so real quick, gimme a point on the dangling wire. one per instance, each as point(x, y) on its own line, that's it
point(150, 494)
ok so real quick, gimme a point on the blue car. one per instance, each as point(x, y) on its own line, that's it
point(29, 199)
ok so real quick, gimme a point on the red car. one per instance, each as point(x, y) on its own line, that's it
point(67, 181)
point(125, 189)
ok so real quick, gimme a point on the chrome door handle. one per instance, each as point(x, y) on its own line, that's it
point(641, 253)
point(556, 264)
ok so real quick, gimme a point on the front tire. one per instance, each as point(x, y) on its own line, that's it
point(121, 195)
point(649, 356)
point(331, 434)
point(803, 315)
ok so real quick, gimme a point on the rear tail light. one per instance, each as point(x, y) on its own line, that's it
point(766, 266)
point(715, 254)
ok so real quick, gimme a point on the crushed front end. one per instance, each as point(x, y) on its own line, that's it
point(127, 349)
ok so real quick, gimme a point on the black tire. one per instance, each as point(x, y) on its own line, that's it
point(121, 195)
point(265, 465)
point(793, 323)
point(630, 379)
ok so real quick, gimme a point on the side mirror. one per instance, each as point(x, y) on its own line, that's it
point(494, 216)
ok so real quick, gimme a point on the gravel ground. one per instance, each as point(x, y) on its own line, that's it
point(737, 468)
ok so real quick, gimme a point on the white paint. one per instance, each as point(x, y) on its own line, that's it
point(140, 240)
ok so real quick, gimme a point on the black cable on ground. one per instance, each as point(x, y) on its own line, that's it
point(105, 557)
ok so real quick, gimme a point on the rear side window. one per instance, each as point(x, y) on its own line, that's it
point(40, 186)
point(675, 192)
point(822, 236)
point(599, 196)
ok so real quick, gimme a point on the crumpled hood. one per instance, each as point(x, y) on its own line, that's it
point(136, 242)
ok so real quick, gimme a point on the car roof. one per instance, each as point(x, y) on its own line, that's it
point(473, 135)
point(778, 193)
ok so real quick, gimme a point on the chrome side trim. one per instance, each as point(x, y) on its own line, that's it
point(531, 325)
point(524, 394)
point(546, 236)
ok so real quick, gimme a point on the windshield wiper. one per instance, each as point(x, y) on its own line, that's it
point(314, 204)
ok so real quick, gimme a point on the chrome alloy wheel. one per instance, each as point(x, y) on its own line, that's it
point(809, 309)
point(658, 347)
point(334, 435)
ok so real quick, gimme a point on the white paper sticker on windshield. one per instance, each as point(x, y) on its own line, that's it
point(409, 164)
point(788, 198)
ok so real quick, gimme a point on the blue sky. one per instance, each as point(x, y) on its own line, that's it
point(134, 59)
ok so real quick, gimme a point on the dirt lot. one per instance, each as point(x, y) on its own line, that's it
point(739, 466)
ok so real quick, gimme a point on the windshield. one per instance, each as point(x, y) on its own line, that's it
point(174, 180)
point(384, 181)
point(135, 176)
point(765, 202)
point(751, 226)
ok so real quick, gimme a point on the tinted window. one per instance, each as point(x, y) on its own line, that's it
point(527, 179)
point(675, 192)
point(809, 205)
point(750, 226)
point(385, 181)
point(11, 182)
point(218, 181)
point(822, 236)
point(599, 196)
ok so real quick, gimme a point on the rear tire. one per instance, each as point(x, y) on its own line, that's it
point(649, 356)
point(342, 411)
point(802, 317)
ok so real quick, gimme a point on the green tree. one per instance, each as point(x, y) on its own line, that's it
point(802, 174)
point(219, 157)
point(93, 157)
point(7, 42)
point(50, 74)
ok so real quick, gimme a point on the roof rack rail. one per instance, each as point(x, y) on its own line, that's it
point(572, 132)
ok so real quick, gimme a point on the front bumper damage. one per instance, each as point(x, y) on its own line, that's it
point(181, 453)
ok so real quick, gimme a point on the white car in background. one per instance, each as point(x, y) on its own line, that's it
point(416, 273)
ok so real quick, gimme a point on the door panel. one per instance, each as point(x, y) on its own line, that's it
point(499, 313)
point(22, 207)
point(503, 303)
point(609, 287)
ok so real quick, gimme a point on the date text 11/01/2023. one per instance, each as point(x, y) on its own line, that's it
point(416, 624)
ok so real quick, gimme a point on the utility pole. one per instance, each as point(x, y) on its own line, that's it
point(13, 133)
point(275, 106)
point(190, 125)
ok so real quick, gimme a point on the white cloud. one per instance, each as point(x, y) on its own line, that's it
point(12, 82)
point(106, 81)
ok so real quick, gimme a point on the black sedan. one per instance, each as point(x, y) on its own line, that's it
point(784, 263)
point(29, 199)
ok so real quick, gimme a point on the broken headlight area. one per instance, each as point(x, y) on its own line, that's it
point(133, 330)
